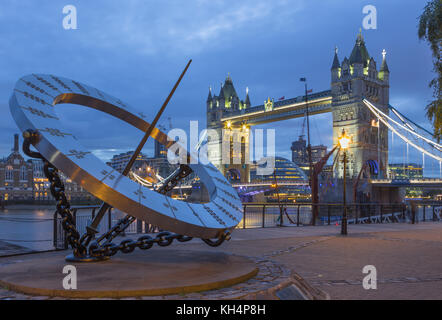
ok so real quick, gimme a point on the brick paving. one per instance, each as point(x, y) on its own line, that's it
point(408, 259)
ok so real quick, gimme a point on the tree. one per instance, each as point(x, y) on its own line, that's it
point(430, 29)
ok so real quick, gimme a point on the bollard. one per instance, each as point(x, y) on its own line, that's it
point(244, 217)
point(357, 209)
point(328, 214)
point(263, 215)
point(297, 216)
point(413, 212)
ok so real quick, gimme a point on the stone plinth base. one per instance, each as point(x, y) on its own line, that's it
point(141, 273)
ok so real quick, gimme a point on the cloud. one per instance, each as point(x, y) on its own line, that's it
point(149, 28)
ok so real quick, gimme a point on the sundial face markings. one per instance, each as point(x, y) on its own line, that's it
point(229, 203)
point(33, 97)
point(78, 154)
point(227, 213)
point(55, 132)
point(228, 194)
point(36, 88)
point(140, 195)
point(46, 83)
point(39, 113)
point(80, 87)
point(107, 174)
point(211, 168)
point(61, 83)
point(195, 214)
point(222, 181)
point(170, 206)
point(214, 215)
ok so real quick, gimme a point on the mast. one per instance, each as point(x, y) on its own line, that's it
point(309, 146)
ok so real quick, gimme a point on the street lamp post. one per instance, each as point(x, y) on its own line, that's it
point(344, 142)
point(281, 222)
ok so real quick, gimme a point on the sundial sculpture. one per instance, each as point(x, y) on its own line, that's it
point(33, 106)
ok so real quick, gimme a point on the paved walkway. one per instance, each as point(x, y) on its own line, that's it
point(7, 248)
point(408, 259)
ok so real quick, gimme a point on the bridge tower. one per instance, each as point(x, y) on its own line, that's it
point(353, 80)
point(228, 144)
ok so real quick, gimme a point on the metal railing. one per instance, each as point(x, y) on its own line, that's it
point(262, 215)
point(255, 215)
point(83, 220)
point(425, 211)
point(44, 202)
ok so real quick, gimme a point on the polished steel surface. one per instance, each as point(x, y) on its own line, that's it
point(33, 105)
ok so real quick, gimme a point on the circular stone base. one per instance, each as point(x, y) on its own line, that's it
point(141, 273)
point(86, 259)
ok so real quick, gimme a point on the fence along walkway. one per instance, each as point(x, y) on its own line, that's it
point(261, 215)
point(255, 215)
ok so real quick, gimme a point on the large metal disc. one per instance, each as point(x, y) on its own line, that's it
point(33, 106)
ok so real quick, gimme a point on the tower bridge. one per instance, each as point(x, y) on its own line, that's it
point(359, 102)
point(271, 111)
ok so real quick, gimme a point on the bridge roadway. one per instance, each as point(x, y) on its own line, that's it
point(424, 182)
point(286, 109)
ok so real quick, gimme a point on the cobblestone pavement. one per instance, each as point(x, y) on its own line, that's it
point(407, 258)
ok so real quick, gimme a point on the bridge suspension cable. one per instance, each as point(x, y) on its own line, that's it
point(404, 130)
point(406, 121)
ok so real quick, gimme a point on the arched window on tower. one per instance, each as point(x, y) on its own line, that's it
point(9, 173)
point(243, 150)
point(231, 149)
point(23, 173)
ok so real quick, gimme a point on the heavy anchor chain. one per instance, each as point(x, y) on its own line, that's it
point(97, 249)
point(171, 181)
point(58, 192)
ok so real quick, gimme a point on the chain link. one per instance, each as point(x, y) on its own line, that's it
point(145, 242)
point(63, 209)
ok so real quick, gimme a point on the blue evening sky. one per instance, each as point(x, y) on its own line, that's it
point(136, 49)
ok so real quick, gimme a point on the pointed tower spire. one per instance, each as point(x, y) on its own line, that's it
point(247, 102)
point(359, 53)
point(221, 91)
point(336, 63)
point(209, 98)
point(383, 71)
point(360, 38)
point(384, 66)
point(228, 88)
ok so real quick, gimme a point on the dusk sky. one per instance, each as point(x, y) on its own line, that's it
point(135, 50)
